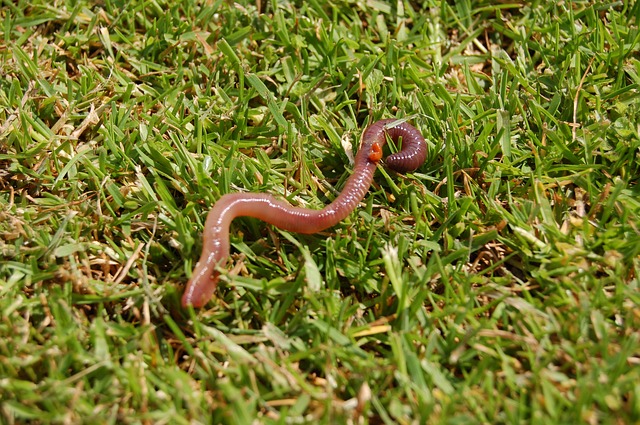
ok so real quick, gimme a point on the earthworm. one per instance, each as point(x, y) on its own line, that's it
point(215, 245)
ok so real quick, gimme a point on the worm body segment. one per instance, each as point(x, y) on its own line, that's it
point(215, 245)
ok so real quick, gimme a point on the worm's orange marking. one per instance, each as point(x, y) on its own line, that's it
point(375, 154)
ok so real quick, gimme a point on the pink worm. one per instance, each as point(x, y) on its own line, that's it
point(215, 245)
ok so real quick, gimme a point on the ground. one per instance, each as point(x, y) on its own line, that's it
point(496, 284)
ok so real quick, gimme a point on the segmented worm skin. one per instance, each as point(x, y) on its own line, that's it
point(215, 249)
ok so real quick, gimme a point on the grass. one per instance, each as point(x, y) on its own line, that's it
point(497, 284)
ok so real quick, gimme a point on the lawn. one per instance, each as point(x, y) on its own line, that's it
point(497, 284)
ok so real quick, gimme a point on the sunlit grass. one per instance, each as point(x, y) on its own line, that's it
point(496, 284)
